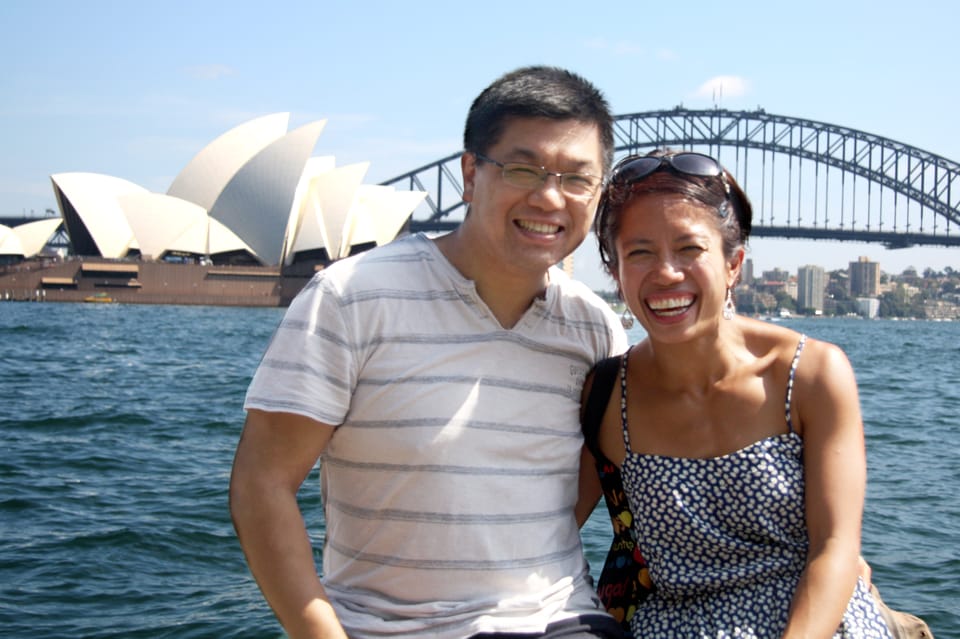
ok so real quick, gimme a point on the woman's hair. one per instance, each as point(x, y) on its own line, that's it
point(721, 193)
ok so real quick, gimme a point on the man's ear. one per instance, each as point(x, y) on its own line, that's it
point(468, 168)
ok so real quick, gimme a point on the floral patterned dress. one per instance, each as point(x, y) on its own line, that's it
point(725, 539)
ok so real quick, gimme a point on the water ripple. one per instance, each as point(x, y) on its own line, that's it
point(118, 426)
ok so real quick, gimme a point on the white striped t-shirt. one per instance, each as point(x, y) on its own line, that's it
point(449, 484)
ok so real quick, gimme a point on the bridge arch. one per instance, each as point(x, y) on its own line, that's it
point(912, 196)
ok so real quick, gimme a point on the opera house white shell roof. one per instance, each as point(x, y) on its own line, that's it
point(255, 190)
point(27, 240)
point(89, 204)
point(163, 224)
point(205, 176)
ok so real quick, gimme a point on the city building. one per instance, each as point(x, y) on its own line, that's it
point(868, 307)
point(864, 278)
point(811, 284)
point(746, 272)
point(772, 282)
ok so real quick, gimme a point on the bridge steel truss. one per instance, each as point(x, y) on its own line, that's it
point(912, 196)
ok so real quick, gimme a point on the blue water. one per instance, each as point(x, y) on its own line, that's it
point(118, 425)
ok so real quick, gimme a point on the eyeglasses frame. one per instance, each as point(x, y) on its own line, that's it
point(543, 174)
point(615, 181)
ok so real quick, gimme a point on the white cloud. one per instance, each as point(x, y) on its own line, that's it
point(722, 86)
point(627, 48)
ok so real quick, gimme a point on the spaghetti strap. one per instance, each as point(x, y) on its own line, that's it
point(623, 399)
point(793, 372)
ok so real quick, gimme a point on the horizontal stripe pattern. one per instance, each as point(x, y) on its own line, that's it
point(448, 565)
point(390, 514)
point(449, 469)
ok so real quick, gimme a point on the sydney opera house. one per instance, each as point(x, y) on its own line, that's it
point(246, 222)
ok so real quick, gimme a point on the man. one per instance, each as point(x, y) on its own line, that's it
point(438, 381)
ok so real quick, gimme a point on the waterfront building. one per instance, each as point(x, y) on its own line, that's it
point(253, 196)
point(811, 284)
point(864, 278)
point(941, 310)
point(247, 222)
point(868, 307)
point(746, 273)
point(777, 275)
point(774, 282)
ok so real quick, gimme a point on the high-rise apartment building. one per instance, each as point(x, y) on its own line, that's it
point(746, 272)
point(811, 283)
point(864, 278)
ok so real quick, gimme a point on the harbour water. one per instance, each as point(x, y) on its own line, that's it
point(118, 424)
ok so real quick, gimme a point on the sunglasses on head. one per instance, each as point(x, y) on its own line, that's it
point(632, 169)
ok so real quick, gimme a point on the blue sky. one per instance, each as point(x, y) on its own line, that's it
point(135, 89)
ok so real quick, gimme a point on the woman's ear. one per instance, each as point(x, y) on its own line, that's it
point(616, 280)
point(734, 267)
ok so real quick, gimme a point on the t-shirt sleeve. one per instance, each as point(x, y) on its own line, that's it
point(309, 367)
point(618, 336)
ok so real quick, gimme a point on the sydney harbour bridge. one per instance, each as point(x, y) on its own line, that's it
point(806, 179)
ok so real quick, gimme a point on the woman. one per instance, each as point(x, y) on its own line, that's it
point(739, 442)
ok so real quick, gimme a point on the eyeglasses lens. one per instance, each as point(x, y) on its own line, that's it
point(688, 163)
point(636, 169)
point(528, 176)
point(578, 184)
point(522, 175)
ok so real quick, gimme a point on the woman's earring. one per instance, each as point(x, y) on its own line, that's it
point(728, 308)
point(626, 318)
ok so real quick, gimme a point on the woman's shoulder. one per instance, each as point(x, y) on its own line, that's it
point(814, 360)
point(785, 349)
point(764, 338)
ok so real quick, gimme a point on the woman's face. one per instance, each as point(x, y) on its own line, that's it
point(671, 268)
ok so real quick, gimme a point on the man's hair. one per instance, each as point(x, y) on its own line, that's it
point(537, 92)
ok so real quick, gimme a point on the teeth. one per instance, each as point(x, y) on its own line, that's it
point(538, 227)
point(671, 313)
point(670, 303)
point(670, 306)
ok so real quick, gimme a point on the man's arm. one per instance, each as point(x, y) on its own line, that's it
point(589, 489)
point(275, 454)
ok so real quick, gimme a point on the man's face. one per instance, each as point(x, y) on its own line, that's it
point(523, 231)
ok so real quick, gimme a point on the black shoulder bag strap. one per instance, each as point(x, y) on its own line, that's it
point(604, 377)
point(624, 580)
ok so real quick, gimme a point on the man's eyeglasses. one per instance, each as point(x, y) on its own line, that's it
point(631, 170)
point(530, 176)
